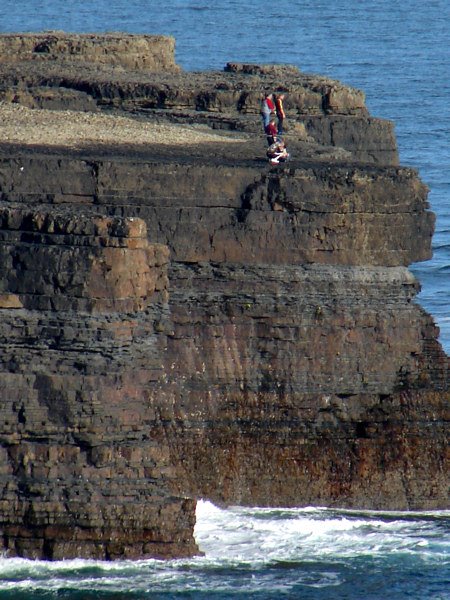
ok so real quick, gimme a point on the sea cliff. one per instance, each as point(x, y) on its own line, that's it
point(181, 320)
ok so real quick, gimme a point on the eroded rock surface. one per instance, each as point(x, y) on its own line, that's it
point(146, 52)
point(186, 322)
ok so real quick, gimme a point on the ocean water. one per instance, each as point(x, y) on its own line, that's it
point(265, 554)
point(399, 54)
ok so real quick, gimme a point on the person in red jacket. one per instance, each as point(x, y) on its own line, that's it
point(271, 132)
point(280, 112)
point(267, 107)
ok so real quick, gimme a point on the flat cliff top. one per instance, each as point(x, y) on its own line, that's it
point(125, 92)
point(125, 136)
point(125, 95)
point(31, 127)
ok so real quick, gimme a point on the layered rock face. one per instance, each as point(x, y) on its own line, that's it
point(152, 52)
point(188, 322)
point(82, 304)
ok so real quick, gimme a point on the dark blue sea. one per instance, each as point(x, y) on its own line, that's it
point(398, 52)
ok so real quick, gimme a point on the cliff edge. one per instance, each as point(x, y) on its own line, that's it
point(181, 320)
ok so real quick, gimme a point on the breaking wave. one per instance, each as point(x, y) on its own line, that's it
point(265, 553)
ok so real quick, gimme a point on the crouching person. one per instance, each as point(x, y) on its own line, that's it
point(277, 153)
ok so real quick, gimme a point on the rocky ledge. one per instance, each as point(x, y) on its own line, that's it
point(180, 320)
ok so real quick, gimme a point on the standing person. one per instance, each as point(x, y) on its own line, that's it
point(280, 112)
point(267, 107)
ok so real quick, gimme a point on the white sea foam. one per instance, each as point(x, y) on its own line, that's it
point(267, 534)
point(253, 549)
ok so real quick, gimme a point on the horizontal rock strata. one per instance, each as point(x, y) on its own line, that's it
point(83, 304)
point(151, 52)
point(187, 322)
point(234, 213)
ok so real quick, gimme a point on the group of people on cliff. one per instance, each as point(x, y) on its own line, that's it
point(273, 115)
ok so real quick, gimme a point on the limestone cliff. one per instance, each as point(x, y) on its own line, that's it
point(184, 321)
